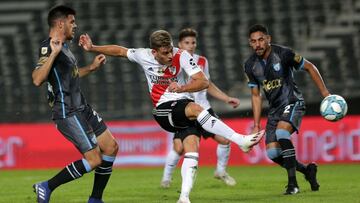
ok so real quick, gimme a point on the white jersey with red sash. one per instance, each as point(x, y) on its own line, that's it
point(159, 76)
point(201, 96)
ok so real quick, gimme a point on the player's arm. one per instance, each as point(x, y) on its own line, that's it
point(256, 102)
point(197, 82)
point(316, 77)
point(41, 72)
point(214, 91)
point(97, 62)
point(111, 50)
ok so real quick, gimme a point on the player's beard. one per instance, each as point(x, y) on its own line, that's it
point(260, 52)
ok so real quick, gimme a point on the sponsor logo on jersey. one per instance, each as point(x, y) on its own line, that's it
point(277, 66)
point(160, 80)
point(151, 69)
point(270, 85)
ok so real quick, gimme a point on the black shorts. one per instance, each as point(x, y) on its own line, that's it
point(171, 117)
point(291, 113)
point(205, 134)
point(82, 128)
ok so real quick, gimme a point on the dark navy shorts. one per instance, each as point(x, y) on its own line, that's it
point(171, 117)
point(82, 128)
point(291, 113)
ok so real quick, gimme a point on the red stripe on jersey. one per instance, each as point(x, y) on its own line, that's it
point(201, 62)
point(170, 72)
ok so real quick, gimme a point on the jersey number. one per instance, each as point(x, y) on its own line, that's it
point(287, 108)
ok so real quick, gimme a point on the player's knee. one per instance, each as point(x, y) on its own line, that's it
point(114, 148)
point(111, 148)
point(222, 140)
point(273, 153)
point(178, 149)
point(282, 134)
point(94, 159)
point(193, 109)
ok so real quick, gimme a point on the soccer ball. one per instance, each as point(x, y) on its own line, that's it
point(333, 107)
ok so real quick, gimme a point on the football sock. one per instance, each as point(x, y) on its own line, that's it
point(287, 153)
point(222, 152)
point(71, 172)
point(216, 126)
point(277, 158)
point(102, 175)
point(188, 172)
point(170, 164)
point(300, 167)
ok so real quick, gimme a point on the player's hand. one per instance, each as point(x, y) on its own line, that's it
point(174, 87)
point(85, 42)
point(234, 102)
point(56, 45)
point(98, 61)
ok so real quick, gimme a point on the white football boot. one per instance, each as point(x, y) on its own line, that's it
point(248, 141)
point(225, 177)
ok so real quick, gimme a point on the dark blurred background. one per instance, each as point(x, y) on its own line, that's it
point(326, 32)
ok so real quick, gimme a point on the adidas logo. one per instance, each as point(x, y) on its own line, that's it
point(213, 123)
point(41, 192)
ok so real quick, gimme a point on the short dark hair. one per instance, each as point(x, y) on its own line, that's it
point(258, 28)
point(160, 38)
point(59, 12)
point(187, 32)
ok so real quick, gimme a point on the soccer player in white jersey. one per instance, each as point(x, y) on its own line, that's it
point(188, 42)
point(166, 69)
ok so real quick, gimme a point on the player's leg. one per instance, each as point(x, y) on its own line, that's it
point(76, 130)
point(223, 153)
point(171, 161)
point(172, 117)
point(189, 165)
point(109, 149)
point(214, 125)
point(293, 118)
point(283, 135)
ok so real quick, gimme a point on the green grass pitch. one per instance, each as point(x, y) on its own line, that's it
point(339, 183)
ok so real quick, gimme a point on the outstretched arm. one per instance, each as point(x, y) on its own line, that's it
point(97, 62)
point(316, 77)
point(256, 103)
point(110, 50)
point(214, 91)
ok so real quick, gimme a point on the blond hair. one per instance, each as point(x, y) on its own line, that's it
point(160, 38)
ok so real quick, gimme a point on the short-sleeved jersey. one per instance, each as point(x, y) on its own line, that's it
point(64, 93)
point(159, 76)
point(200, 97)
point(275, 75)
